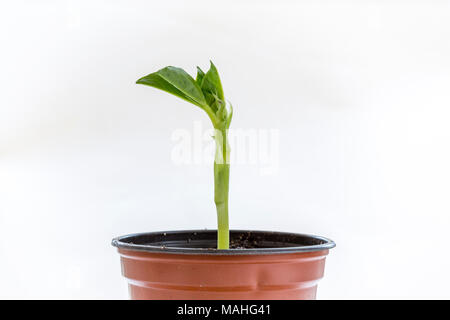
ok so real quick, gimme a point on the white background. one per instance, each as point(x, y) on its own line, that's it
point(359, 91)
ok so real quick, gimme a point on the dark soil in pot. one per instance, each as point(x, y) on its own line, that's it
point(241, 241)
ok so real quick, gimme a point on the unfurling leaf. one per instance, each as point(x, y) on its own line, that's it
point(212, 88)
point(200, 76)
point(205, 91)
point(177, 82)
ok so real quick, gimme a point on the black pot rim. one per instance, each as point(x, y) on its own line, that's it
point(188, 241)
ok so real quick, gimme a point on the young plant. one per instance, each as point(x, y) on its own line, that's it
point(205, 92)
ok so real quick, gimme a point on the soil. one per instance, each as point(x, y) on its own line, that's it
point(207, 239)
point(244, 241)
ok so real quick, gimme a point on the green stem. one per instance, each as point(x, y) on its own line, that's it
point(221, 186)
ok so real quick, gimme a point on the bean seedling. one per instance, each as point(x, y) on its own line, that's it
point(205, 92)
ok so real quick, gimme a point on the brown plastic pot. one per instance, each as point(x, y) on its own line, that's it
point(183, 265)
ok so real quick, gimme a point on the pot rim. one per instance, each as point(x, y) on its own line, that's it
point(315, 243)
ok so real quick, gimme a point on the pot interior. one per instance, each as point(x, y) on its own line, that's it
point(205, 241)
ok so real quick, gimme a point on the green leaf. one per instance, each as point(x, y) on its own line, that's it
point(212, 87)
point(177, 82)
point(154, 80)
point(229, 114)
point(211, 82)
point(200, 76)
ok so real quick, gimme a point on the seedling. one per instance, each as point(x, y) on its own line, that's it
point(205, 92)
